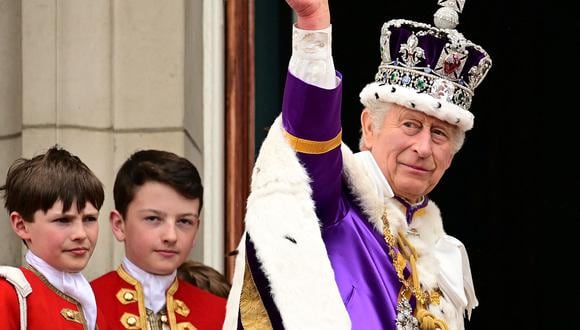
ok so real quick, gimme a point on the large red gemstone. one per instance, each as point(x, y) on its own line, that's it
point(452, 63)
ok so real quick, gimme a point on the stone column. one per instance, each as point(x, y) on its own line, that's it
point(10, 115)
point(67, 92)
point(104, 78)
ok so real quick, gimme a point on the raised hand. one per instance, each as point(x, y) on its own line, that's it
point(311, 14)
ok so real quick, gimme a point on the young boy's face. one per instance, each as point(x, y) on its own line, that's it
point(159, 229)
point(64, 240)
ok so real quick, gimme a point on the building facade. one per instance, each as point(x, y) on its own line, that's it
point(106, 78)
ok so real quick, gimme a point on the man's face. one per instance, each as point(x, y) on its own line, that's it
point(412, 149)
point(160, 228)
point(64, 240)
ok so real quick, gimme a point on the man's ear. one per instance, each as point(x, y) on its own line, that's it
point(366, 124)
point(117, 225)
point(19, 226)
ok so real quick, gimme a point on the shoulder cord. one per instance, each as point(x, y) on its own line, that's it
point(15, 277)
point(411, 286)
point(426, 319)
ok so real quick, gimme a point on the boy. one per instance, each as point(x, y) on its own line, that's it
point(158, 197)
point(53, 200)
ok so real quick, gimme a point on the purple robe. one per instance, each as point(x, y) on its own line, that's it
point(364, 273)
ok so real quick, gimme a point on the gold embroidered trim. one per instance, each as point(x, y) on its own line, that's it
point(253, 314)
point(181, 308)
point(139, 296)
point(126, 296)
point(313, 147)
point(170, 303)
point(71, 315)
point(130, 321)
point(185, 326)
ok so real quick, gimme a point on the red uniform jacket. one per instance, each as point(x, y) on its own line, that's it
point(48, 308)
point(121, 302)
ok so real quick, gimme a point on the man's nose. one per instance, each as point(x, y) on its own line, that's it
point(424, 144)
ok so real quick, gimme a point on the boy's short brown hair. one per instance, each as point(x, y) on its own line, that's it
point(37, 183)
point(156, 166)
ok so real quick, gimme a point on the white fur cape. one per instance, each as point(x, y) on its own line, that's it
point(301, 277)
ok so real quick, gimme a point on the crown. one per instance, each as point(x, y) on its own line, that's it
point(437, 61)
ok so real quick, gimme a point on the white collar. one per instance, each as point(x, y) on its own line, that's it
point(74, 285)
point(154, 286)
point(382, 187)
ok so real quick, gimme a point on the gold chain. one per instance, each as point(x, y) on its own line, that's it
point(399, 263)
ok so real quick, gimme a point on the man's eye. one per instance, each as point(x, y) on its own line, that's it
point(62, 220)
point(440, 135)
point(90, 219)
point(152, 218)
point(411, 127)
point(439, 132)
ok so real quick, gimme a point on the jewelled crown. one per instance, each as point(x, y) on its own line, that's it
point(433, 69)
